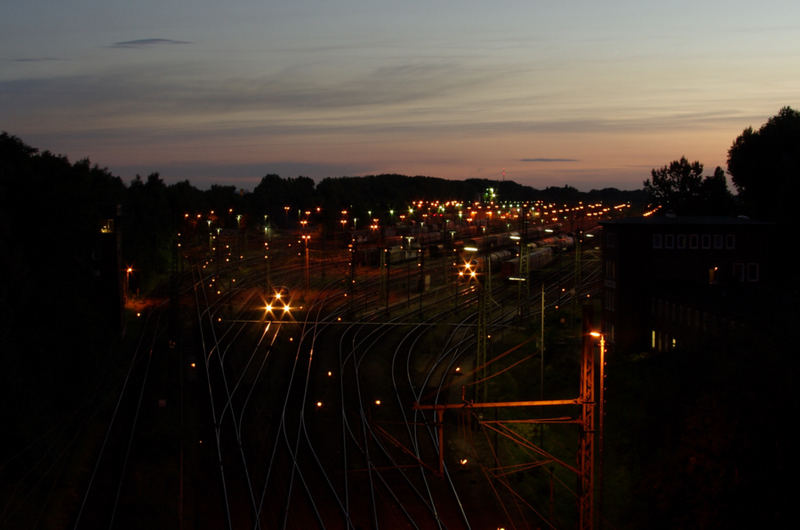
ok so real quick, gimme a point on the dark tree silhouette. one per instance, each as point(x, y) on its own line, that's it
point(681, 188)
point(58, 284)
point(715, 197)
point(273, 193)
point(677, 186)
point(765, 166)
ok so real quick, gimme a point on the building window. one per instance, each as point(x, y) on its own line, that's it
point(681, 241)
point(693, 240)
point(107, 227)
point(705, 241)
point(657, 241)
point(713, 275)
point(738, 272)
point(717, 241)
point(669, 241)
point(653, 339)
point(752, 272)
point(730, 241)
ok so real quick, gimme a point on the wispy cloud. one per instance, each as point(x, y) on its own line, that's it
point(146, 43)
point(549, 160)
point(35, 59)
point(180, 91)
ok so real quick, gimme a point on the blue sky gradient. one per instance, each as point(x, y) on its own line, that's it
point(590, 94)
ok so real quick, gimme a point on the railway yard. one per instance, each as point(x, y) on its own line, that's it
point(236, 411)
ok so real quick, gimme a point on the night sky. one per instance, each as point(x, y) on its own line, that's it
point(590, 94)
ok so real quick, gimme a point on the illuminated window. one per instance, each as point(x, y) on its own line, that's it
point(713, 275)
point(653, 339)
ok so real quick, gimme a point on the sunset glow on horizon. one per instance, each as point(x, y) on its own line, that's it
point(581, 93)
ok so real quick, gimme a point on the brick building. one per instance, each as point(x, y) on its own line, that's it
point(686, 282)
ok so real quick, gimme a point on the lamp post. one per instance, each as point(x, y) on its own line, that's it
point(128, 273)
point(520, 273)
point(408, 239)
point(306, 238)
point(601, 412)
point(267, 238)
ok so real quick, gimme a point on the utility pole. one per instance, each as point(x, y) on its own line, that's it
point(587, 438)
point(600, 424)
point(421, 266)
point(524, 268)
point(306, 238)
point(455, 275)
point(586, 419)
point(267, 239)
point(541, 348)
point(385, 261)
point(480, 357)
point(351, 284)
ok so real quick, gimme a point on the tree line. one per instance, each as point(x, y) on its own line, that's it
point(57, 320)
point(764, 166)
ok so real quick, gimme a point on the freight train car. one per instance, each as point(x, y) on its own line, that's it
point(537, 259)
